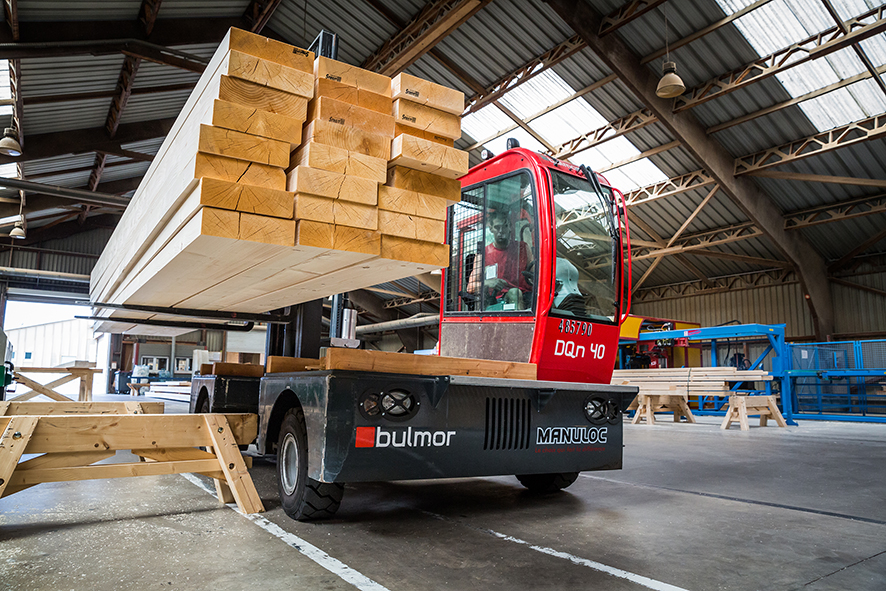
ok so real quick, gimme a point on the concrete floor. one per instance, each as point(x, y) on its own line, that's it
point(695, 508)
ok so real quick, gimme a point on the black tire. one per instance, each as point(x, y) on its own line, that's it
point(303, 498)
point(204, 406)
point(547, 483)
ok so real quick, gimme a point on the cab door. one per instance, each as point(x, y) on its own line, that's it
point(491, 287)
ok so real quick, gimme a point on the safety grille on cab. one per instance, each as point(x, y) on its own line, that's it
point(507, 424)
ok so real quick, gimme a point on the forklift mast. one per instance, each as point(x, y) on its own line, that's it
point(540, 268)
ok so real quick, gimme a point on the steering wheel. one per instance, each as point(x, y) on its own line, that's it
point(529, 273)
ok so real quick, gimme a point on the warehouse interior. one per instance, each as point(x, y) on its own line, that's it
point(754, 206)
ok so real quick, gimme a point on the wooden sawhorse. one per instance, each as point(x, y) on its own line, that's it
point(647, 404)
point(740, 406)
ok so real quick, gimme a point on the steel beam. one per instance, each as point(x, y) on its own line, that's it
point(819, 178)
point(15, 87)
point(132, 46)
point(820, 143)
point(10, 10)
point(48, 145)
point(430, 26)
point(625, 14)
point(170, 31)
point(613, 129)
point(670, 187)
point(259, 12)
point(715, 159)
point(88, 96)
point(730, 283)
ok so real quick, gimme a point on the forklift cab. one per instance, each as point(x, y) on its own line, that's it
point(537, 270)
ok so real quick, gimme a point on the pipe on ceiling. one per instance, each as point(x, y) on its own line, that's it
point(38, 274)
point(77, 195)
point(411, 322)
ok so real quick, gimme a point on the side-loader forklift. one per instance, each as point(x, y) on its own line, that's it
point(538, 273)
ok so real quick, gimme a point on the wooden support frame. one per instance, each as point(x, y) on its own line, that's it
point(649, 403)
point(11, 408)
point(84, 374)
point(70, 445)
point(741, 406)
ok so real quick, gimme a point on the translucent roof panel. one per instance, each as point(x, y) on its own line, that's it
point(500, 144)
point(486, 122)
point(854, 102)
point(5, 89)
point(783, 22)
point(569, 121)
point(536, 94)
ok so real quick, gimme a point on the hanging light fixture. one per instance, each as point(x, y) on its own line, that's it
point(18, 230)
point(9, 144)
point(670, 85)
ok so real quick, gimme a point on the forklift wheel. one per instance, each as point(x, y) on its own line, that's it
point(547, 483)
point(302, 498)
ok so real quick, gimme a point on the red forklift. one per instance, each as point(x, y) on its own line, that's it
point(539, 274)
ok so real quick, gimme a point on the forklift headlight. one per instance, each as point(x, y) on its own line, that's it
point(369, 405)
point(398, 405)
point(595, 410)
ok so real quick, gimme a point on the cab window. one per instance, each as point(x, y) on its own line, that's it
point(493, 242)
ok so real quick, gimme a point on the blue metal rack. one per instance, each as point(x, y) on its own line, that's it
point(834, 381)
point(774, 333)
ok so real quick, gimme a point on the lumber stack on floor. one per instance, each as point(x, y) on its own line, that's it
point(278, 184)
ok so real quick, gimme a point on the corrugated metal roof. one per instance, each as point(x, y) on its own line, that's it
point(505, 35)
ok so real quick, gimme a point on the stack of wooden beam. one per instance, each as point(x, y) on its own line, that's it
point(247, 208)
point(424, 165)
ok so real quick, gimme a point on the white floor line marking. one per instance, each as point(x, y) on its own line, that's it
point(331, 564)
point(598, 566)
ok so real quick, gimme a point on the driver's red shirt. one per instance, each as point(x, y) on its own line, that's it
point(511, 262)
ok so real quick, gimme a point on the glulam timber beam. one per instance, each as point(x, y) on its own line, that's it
point(713, 157)
point(430, 26)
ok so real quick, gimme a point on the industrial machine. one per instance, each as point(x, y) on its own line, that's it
point(537, 274)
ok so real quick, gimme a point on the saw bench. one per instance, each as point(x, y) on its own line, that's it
point(70, 444)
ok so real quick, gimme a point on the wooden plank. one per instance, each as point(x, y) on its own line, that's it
point(352, 76)
point(421, 154)
point(245, 198)
point(102, 471)
point(236, 474)
point(333, 185)
point(349, 138)
point(427, 119)
point(180, 454)
point(246, 370)
point(342, 113)
point(341, 161)
point(269, 49)
point(316, 234)
point(384, 362)
point(396, 224)
point(430, 230)
point(324, 87)
point(423, 182)
point(14, 440)
point(364, 241)
point(239, 171)
point(57, 460)
point(243, 92)
point(314, 208)
point(268, 230)
point(276, 364)
point(355, 215)
point(75, 433)
point(235, 144)
point(412, 202)
point(400, 129)
point(416, 251)
point(411, 88)
point(65, 408)
point(257, 122)
point(271, 74)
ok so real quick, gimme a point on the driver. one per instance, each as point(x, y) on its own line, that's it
point(506, 260)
